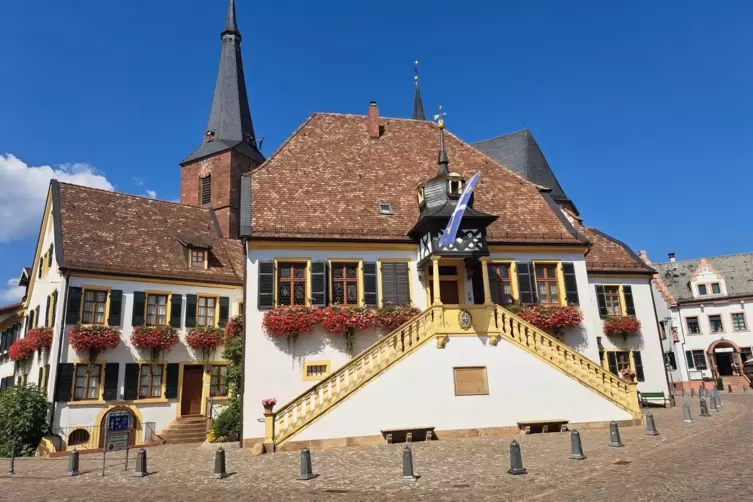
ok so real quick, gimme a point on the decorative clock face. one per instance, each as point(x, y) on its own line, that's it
point(205, 169)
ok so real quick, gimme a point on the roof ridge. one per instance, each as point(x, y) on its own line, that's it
point(130, 195)
point(295, 133)
point(693, 260)
point(525, 129)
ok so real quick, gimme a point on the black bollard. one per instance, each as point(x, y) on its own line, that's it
point(140, 471)
point(516, 460)
point(692, 392)
point(73, 464)
point(219, 464)
point(614, 435)
point(651, 425)
point(686, 414)
point(576, 449)
point(306, 471)
point(729, 387)
point(704, 409)
point(12, 468)
point(408, 476)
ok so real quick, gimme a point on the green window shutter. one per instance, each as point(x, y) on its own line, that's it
point(3, 340)
point(571, 284)
point(627, 292)
point(116, 307)
point(73, 313)
point(319, 282)
point(612, 360)
point(47, 311)
point(689, 359)
point(40, 377)
point(49, 256)
point(46, 376)
point(139, 307)
point(224, 310)
point(525, 283)
point(176, 306)
point(64, 383)
point(171, 380)
point(110, 392)
point(370, 295)
point(403, 283)
point(36, 317)
point(190, 311)
point(638, 366)
point(389, 283)
point(54, 307)
point(601, 300)
point(39, 269)
point(266, 284)
point(131, 390)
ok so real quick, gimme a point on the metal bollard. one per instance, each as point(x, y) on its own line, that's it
point(683, 392)
point(408, 476)
point(73, 464)
point(704, 409)
point(576, 449)
point(692, 392)
point(12, 468)
point(141, 470)
point(729, 387)
point(686, 414)
point(719, 400)
point(219, 464)
point(712, 403)
point(307, 471)
point(651, 425)
point(614, 435)
point(516, 460)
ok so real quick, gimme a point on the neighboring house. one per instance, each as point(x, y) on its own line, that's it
point(704, 305)
point(11, 329)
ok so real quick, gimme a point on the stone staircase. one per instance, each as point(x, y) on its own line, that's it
point(186, 430)
point(440, 322)
point(737, 382)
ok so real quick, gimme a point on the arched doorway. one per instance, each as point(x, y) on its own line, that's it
point(724, 356)
point(135, 425)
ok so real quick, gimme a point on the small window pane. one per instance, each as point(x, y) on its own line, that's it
point(738, 322)
point(715, 288)
point(701, 289)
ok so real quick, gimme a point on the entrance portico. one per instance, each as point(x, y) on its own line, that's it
point(724, 356)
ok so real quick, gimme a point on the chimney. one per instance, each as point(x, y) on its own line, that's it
point(671, 257)
point(644, 256)
point(372, 120)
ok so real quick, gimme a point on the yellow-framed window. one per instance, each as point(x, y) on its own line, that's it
point(157, 309)
point(207, 310)
point(613, 299)
point(502, 281)
point(151, 380)
point(218, 386)
point(87, 382)
point(345, 283)
point(292, 283)
point(547, 279)
point(316, 370)
point(94, 305)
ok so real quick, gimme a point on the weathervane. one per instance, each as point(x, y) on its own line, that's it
point(439, 117)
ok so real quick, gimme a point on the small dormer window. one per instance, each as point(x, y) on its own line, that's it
point(715, 289)
point(385, 209)
point(421, 197)
point(198, 258)
point(702, 290)
point(210, 136)
point(454, 185)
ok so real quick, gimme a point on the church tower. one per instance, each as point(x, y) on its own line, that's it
point(211, 175)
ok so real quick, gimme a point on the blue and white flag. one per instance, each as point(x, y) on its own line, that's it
point(452, 226)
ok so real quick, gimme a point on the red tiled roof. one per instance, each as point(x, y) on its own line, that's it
point(117, 233)
point(12, 306)
point(610, 255)
point(327, 179)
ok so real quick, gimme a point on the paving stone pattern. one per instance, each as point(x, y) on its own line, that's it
point(707, 460)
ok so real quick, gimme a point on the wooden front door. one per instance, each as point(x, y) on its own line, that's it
point(448, 292)
point(190, 397)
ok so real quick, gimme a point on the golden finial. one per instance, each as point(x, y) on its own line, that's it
point(439, 117)
point(415, 69)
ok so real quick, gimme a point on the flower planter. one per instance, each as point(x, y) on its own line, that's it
point(268, 405)
point(289, 322)
point(205, 339)
point(157, 339)
point(93, 340)
point(39, 339)
point(551, 317)
point(621, 325)
point(346, 321)
point(391, 317)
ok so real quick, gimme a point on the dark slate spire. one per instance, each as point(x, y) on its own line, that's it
point(418, 105)
point(229, 125)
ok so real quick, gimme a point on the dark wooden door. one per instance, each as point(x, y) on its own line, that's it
point(724, 363)
point(448, 292)
point(190, 398)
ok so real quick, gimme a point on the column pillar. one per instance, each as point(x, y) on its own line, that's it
point(485, 274)
point(435, 280)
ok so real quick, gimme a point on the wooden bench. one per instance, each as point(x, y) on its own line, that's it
point(550, 425)
point(645, 397)
point(395, 434)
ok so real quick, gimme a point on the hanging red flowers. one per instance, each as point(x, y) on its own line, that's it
point(234, 327)
point(39, 338)
point(21, 350)
point(291, 321)
point(556, 317)
point(158, 339)
point(205, 339)
point(621, 325)
point(94, 339)
point(348, 320)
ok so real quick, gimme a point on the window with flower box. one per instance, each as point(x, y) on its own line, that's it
point(291, 283)
point(156, 309)
point(618, 360)
point(500, 283)
point(612, 297)
point(547, 283)
point(150, 380)
point(218, 381)
point(615, 300)
point(87, 382)
point(344, 283)
point(206, 314)
point(94, 308)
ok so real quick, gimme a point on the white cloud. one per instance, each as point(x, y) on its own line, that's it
point(138, 181)
point(12, 293)
point(151, 194)
point(23, 190)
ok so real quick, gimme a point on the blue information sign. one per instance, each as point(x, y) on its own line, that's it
point(118, 421)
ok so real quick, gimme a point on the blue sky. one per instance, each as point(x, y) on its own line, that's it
point(643, 109)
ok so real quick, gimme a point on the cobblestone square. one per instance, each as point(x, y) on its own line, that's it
point(706, 460)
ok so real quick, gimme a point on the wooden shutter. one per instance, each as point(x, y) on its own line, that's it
point(3, 341)
point(319, 297)
point(54, 307)
point(389, 283)
point(73, 313)
point(139, 308)
point(171, 380)
point(403, 283)
point(612, 360)
point(571, 284)
point(224, 310)
point(46, 376)
point(601, 300)
point(627, 292)
point(689, 359)
point(190, 311)
point(176, 306)
point(39, 270)
point(36, 317)
point(110, 392)
point(131, 390)
point(47, 312)
point(116, 307)
point(525, 283)
point(638, 365)
point(370, 295)
point(40, 377)
point(49, 257)
point(64, 383)
point(266, 284)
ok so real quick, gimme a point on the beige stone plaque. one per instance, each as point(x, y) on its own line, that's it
point(471, 381)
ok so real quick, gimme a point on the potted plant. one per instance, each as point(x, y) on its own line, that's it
point(205, 339)
point(391, 317)
point(621, 325)
point(554, 318)
point(268, 404)
point(157, 339)
point(234, 327)
point(628, 374)
point(93, 339)
point(291, 321)
point(348, 320)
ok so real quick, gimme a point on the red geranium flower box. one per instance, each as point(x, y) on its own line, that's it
point(391, 317)
point(93, 339)
point(206, 339)
point(234, 327)
point(158, 339)
point(621, 325)
point(21, 350)
point(291, 321)
point(555, 317)
point(39, 338)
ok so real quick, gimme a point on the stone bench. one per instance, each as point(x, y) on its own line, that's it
point(549, 425)
point(394, 434)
